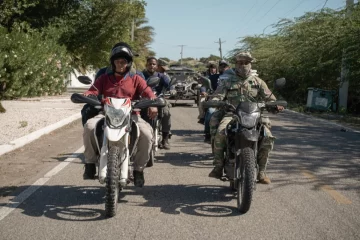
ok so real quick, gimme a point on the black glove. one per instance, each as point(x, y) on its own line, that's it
point(93, 97)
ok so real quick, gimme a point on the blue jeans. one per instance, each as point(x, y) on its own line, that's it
point(208, 115)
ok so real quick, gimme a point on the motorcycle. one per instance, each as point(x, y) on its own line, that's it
point(116, 138)
point(243, 137)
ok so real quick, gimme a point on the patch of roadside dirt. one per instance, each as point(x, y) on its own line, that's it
point(25, 165)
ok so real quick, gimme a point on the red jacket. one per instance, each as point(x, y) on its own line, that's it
point(128, 86)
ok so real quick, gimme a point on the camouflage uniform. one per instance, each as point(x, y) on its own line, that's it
point(235, 89)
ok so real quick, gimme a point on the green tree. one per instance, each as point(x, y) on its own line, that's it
point(308, 52)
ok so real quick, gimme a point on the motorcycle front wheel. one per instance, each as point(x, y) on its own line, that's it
point(112, 181)
point(245, 172)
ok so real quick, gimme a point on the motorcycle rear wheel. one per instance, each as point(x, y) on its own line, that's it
point(245, 172)
point(112, 181)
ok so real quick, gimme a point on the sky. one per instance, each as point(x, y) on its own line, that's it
point(198, 24)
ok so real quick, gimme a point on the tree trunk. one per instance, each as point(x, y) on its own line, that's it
point(2, 109)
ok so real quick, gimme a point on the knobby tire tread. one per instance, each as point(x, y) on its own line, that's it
point(112, 181)
point(244, 200)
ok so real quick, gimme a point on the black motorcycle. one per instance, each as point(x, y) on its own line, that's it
point(243, 137)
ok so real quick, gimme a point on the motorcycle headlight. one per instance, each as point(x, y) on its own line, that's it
point(116, 117)
point(249, 120)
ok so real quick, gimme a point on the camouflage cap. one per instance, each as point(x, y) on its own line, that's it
point(244, 55)
point(162, 63)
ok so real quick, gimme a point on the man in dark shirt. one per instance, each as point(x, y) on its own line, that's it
point(151, 71)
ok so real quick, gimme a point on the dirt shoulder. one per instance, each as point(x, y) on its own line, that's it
point(22, 167)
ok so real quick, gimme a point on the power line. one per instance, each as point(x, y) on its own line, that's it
point(292, 10)
point(271, 9)
point(324, 5)
point(232, 30)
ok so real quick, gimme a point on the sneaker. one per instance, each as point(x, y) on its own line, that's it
point(139, 180)
point(90, 171)
point(217, 172)
point(262, 178)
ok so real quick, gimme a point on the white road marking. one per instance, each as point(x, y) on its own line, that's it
point(16, 201)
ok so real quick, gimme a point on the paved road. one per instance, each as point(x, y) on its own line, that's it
point(315, 190)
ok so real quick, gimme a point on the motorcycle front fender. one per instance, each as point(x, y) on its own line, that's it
point(246, 138)
point(114, 135)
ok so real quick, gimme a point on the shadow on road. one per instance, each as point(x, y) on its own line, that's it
point(72, 203)
point(319, 148)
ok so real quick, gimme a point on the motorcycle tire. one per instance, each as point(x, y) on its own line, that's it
point(112, 187)
point(245, 171)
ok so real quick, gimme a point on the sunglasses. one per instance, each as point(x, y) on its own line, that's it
point(242, 62)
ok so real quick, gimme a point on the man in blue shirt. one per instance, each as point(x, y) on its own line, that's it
point(151, 71)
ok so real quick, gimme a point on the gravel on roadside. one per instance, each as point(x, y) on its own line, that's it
point(26, 115)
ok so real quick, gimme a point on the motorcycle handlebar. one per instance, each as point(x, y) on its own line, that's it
point(146, 103)
point(80, 98)
point(222, 104)
point(276, 103)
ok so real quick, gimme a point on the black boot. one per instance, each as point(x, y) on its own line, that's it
point(217, 172)
point(165, 141)
point(201, 121)
point(90, 171)
point(139, 179)
point(207, 138)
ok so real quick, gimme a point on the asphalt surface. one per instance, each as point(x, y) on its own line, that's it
point(315, 190)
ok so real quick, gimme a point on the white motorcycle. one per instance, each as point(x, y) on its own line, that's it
point(116, 137)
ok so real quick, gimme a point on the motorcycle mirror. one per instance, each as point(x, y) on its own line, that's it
point(153, 81)
point(279, 83)
point(206, 82)
point(84, 80)
point(172, 81)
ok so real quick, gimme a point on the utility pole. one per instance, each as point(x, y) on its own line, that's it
point(132, 26)
point(220, 42)
point(181, 53)
point(344, 82)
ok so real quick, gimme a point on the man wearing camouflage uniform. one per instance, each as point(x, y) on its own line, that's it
point(236, 86)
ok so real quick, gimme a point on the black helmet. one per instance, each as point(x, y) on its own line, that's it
point(121, 50)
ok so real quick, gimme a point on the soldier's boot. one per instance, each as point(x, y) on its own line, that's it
point(219, 145)
point(263, 156)
point(207, 138)
point(217, 172)
point(165, 141)
point(262, 178)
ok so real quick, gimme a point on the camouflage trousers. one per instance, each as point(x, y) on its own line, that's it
point(218, 123)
